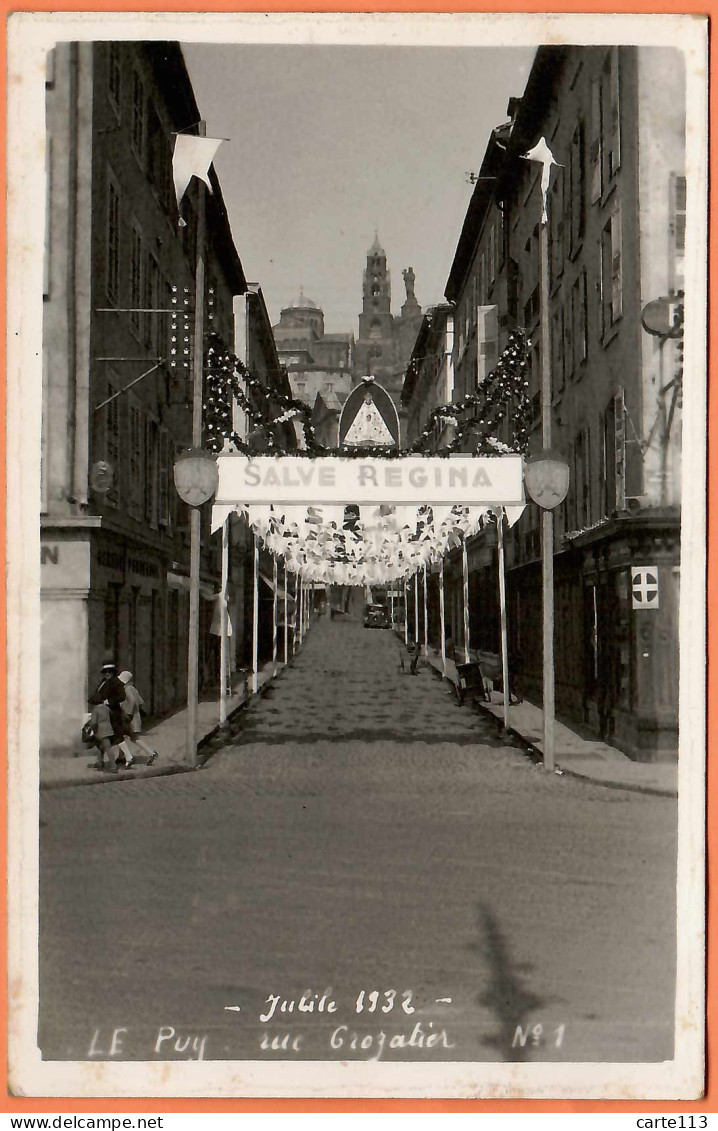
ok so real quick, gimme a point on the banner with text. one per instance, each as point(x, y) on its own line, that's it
point(471, 480)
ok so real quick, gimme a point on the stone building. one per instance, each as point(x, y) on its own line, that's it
point(385, 340)
point(318, 364)
point(114, 534)
point(614, 119)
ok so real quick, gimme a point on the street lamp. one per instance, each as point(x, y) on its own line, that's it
point(196, 477)
point(547, 476)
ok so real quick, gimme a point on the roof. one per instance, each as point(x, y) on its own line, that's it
point(170, 69)
point(504, 150)
point(303, 303)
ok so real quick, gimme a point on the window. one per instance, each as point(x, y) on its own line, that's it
point(557, 350)
point(138, 116)
point(163, 478)
point(114, 77)
point(488, 341)
point(189, 232)
point(136, 291)
point(159, 158)
point(576, 190)
point(611, 273)
point(152, 302)
point(112, 440)
point(482, 278)
point(677, 248)
point(612, 114)
point(579, 323)
point(136, 444)
point(151, 472)
point(596, 148)
point(556, 219)
point(492, 253)
point(581, 492)
point(113, 239)
point(613, 455)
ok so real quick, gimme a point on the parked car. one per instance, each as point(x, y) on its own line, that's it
point(376, 616)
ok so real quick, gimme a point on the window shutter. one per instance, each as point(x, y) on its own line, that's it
point(616, 267)
point(595, 156)
point(619, 420)
point(614, 155)
point(487, 352)
point(164, 474)
point(678, 232)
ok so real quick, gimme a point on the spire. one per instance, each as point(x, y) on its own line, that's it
point(376, 248)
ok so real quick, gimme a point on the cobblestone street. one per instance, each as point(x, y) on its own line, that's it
point(364, 833)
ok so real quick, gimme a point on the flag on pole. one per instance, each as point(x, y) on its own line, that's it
point(192, 157)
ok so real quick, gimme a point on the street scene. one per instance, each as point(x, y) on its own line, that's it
point(361, 834)
point(363, 697)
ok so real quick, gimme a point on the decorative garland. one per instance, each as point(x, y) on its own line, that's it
point(504, 391)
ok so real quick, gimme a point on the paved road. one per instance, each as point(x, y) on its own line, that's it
point(364, 833)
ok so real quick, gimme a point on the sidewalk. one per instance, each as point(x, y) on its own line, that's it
point(168, 737)
point(587, 758)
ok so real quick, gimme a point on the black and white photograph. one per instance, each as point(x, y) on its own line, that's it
point(356, 555)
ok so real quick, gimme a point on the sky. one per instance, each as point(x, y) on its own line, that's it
point(329, 144)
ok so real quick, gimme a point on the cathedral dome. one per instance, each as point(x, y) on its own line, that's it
point(304, 303)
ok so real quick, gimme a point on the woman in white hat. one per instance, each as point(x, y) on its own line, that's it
point(133, 729)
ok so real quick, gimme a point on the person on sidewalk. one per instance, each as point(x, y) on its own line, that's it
point(133, 721)
point(107, 716)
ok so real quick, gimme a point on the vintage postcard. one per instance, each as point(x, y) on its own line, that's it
point(356, 555)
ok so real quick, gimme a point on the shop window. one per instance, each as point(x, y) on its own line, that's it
point(112, 620)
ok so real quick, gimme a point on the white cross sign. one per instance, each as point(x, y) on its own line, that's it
point(644, 587)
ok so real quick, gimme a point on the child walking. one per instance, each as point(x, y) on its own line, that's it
point(133, 726)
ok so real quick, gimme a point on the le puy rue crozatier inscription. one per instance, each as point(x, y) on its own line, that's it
point(367, 1024)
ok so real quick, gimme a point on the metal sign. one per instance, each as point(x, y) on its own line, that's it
point(288, 480)
point(644, 587)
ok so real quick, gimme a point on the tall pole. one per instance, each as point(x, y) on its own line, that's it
point(286, 610)
point(255, 619)
point(504, 631)
point(391, 603)
point(300, 602)
point(274, 613)
point(442, 615)
point(549, 706)
point(406, 613)
point(416, 607)
point(465, 571)
point(426, 616)
point(223, 622)
point(194, 528)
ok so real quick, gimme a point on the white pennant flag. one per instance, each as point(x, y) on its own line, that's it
point(542, 154)
point(192, 157)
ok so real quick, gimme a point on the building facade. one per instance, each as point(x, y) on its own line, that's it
point(385, 341)
point(614, 120)
point(117, 378)
point(319, 365)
